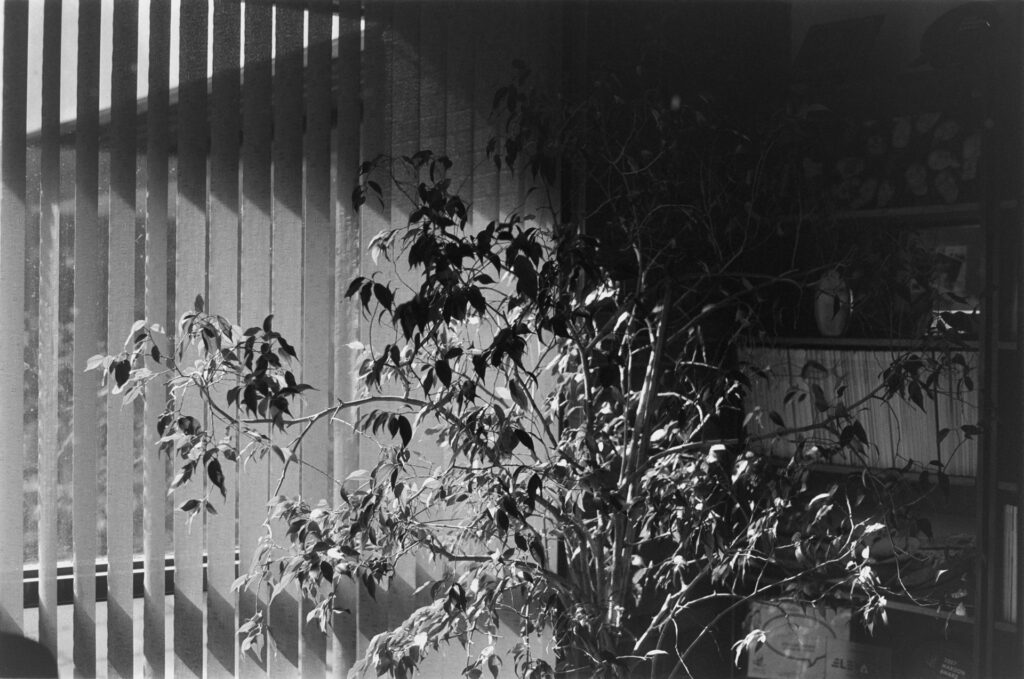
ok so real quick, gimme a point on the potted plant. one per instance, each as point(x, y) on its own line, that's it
point(580, 374)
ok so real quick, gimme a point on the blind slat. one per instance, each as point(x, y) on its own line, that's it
point(317, 284)
point(154, 465)
point(347, 319)
point(220, 529)
point(286, 285)
point(433, 51)
point(545, 46)
point(436, 24)
point(12, 281)
point(433, 62)
point(402, 133)
point(121, 289)
point(459, 99)
point(88, 336)
point(485, 62)
point(374, 217)
point(190, 280)
point(49, 322)
point(455, 124)
point(255, 278)
point(512, 44)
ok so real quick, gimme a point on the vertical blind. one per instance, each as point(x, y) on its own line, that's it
point(154, 151)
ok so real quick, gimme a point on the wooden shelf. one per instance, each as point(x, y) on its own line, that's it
point(944, 615)
point(841, 469)
point(941, 614)
point(908, 92)
point(920, 216)
point(964, 214)
point(868, 343)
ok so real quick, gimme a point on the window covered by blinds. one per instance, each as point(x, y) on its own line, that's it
point(154, 151)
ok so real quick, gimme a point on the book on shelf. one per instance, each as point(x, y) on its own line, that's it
point(1009, 611)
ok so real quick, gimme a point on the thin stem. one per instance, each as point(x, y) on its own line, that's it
point(343, 405)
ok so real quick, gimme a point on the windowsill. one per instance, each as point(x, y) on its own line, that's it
point(66, 577)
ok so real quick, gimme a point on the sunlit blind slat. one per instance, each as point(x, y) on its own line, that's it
point(255, 276)
point(49, 324)
point(154, 465)
point(452, 122)
point(190, 281)
point(286, 285)
point(220, 528)
point(375, 217)
point(441, 100)
point(402, 119)
point(120, 312)
point(431, 108)
point(12, 301)
point(88, 318)
point(534, 42)
point(346, 320)
point(317, 283)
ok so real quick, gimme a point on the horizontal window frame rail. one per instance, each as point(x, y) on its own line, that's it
point(65, 580)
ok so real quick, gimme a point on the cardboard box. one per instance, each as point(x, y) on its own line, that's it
point(850, 660)
point(797, 638)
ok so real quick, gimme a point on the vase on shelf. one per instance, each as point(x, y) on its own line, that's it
point(833, 304)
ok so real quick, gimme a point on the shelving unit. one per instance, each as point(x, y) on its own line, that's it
point(992, 216)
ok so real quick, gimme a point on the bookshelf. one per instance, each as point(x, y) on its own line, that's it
point(985, 477)
point(857, 111)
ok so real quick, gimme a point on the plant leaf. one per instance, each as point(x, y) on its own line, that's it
point(216, 476)
point(518, 395)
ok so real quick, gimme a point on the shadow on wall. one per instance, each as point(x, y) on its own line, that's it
point(21, 657)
